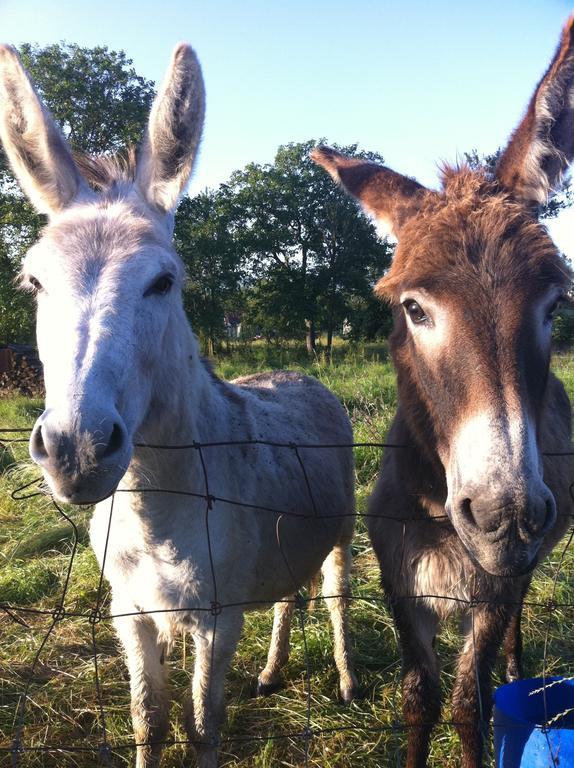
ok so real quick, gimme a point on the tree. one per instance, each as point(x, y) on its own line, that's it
point(102, 106)
point(19, 228)
point(311, 250)
point(213, 256)
point(95, 94)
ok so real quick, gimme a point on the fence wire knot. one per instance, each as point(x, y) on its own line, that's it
point(95, 617)
point(307, 733)
point(551, 606)
point(59, 613)
point(215, 608)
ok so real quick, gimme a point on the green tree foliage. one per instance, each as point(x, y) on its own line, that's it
point(95, 94)
point(102, 105)
point(206, 241)
point(19, 227)
point(563, 327)
point(312, 253)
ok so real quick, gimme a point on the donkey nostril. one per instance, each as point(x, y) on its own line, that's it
point(539, 516)
point(549, 516)
point(466, 512)
point(115, 442)
point(37, 446)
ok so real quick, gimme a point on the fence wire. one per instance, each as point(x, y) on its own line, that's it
point(105, 748)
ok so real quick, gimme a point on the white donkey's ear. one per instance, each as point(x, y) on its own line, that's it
point(542, 147)
point(174, 130)
point(36, 149)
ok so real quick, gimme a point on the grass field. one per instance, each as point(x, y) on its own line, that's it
point(62, 709)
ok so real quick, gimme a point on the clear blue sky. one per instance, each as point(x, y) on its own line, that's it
point(417, 81)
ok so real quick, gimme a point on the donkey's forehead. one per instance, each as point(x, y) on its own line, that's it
point(105, 234)
point(457, 240)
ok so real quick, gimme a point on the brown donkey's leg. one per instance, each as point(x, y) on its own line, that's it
point(513, 647)
point(417, 627)
point(513, 641)
point(472, 696)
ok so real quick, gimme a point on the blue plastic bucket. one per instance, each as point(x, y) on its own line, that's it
point(520, 739)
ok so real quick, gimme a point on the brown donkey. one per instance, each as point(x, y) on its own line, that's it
point(470, 509)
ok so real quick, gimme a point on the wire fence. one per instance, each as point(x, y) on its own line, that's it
point(104, 748)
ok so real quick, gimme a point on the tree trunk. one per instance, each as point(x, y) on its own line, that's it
point(311, 340)
point(329, 349)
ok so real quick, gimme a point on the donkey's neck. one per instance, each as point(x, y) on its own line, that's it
point(185, 409)
point(420, 468)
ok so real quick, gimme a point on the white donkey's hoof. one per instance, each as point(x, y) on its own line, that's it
point(266, 689)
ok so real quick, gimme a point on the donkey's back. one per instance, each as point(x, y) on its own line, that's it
point(295, 459)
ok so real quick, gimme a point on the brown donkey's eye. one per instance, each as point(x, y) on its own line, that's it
point(415, 311)
point(551, 311)
point(161, 286)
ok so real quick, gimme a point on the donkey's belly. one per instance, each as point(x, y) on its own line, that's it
point(181, 581)
point(293, 556)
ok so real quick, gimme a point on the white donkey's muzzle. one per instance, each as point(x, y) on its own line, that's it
point(84, 458)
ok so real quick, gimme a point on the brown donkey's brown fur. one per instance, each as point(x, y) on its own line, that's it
point(460, 518)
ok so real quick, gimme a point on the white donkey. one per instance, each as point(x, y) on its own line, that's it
point(122, 367)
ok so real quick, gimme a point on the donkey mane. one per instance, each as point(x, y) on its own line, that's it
point(110, 174)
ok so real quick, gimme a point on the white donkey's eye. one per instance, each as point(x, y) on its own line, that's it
point(34, 284)
point(415, 311)
point(161, 285)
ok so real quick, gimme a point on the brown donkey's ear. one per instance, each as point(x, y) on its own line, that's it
point(542, 147)
point(36, 149)
point(391, 198)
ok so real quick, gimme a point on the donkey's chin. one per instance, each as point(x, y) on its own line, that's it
point(83, 491)
point(501, 567)
point(504, 557)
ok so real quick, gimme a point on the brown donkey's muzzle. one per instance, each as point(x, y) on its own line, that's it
point(503, 529)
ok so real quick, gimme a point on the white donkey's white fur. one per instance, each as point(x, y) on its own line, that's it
point(123, 367)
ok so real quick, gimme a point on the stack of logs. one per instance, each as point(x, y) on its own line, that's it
point(20, 372)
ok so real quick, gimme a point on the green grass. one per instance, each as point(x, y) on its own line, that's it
point(36, 543)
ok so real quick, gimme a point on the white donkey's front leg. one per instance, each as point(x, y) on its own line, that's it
point(205, 712)
point(149, 696)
